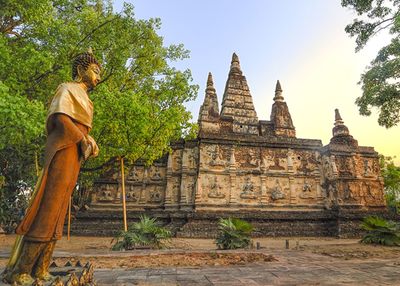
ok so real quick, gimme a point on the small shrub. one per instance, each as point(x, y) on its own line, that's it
point(233, 233)
point(381, 231)
point(144, 233)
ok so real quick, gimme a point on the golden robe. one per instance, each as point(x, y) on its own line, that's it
point(68, 122)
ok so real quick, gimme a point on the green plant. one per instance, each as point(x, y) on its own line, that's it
point(381, 231)
point(233, 233)
point(145, 232)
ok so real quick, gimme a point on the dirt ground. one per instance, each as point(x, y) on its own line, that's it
point(197, 252)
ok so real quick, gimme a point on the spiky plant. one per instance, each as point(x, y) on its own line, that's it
point(233, 233)
point(145, 232)
point(381, 231)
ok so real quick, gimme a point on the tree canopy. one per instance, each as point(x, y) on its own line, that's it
point(139, 104)
point(380, 81)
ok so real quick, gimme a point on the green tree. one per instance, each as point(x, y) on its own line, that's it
point(138, 104)
point(380, 82)
point(391, 179)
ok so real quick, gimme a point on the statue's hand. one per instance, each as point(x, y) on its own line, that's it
point(95, 148)
point(86, 148)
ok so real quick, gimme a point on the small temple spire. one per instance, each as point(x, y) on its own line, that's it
point(235, 64)
point(340, 132)
point(278, 92)
point(209, 109)
point(338, 118)
point(340, 129)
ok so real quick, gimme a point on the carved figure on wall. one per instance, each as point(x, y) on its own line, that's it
point(251, 159)
point(333, 165)
point(131, 197)
point(345, 167)
point(105, 194)
point(306, 187)
point(155, 197)
point(347, 193)
point(276, 165)
point(277, 193)
point(192, 160)
point(216, 156)
point(156, 174)
point(290, 159)
point(214, 190)
point(133, 175)
point(306, 190)
point(248, 189)
point(68, 123)
point(367, 168)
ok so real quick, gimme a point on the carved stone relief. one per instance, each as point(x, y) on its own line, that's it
point(155, 195)
point(214, 188)
point(105, 193)
point(277, 192)
point(248, 190)
point(216, 155)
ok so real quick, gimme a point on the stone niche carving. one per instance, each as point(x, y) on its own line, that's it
point(214, 188)
point(248, 157)
point(217, 156)
point(105, 193)
point(156, 195)
point(135, 174)
point(307, 190)
point(156, 173)
point(133, 193)
point(275, 159)
point(191, 161)
point(277, 192)
point(345, 166)
point(248, 190)
point(177, 160)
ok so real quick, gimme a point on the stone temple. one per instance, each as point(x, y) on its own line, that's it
point(240, 166)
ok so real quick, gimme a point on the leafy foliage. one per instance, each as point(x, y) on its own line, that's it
point(233, 233)
point(391, 178)
point(380, 231)
point(380, 82)
point(146, 232)
point(139, 104)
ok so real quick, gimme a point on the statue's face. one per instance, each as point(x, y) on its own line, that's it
point(91, 76)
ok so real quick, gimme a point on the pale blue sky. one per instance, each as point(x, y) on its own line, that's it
point(301, 43)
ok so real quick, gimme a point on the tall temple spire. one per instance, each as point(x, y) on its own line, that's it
point(280, 115)
point(237, 102)
point(278, 92)
point(209, 110)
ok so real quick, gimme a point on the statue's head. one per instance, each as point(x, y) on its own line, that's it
point(86, 69)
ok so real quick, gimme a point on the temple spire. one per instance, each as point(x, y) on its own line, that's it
point(340, 132)
point(209, 109)
point(280, 115)
point(235, 64)
point(210, 81)
point(278, 92)
point(338, 118)
point(237, 102)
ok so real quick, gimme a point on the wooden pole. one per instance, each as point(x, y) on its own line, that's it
point(69, 218)
point(36, 164)
point(123, 193)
